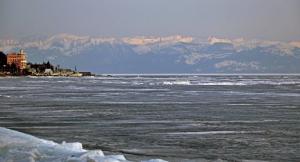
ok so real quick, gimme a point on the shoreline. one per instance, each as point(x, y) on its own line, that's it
point(75, 74)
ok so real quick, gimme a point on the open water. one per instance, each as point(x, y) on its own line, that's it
point(172, 117)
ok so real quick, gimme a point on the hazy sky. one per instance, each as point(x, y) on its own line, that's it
point(262, 19)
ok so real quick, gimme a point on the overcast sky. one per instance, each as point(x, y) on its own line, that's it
point(261, 19)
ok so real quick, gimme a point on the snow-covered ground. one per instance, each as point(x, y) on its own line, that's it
point(19, 147)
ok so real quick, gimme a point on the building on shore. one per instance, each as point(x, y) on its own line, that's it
point(19, 59)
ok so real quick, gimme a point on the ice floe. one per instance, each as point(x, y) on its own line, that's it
point(20, 147)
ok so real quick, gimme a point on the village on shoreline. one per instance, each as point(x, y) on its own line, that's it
point(15, 64)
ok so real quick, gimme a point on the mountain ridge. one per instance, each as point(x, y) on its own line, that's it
point(170, 54)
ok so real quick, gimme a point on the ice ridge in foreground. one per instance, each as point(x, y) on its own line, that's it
point(20, 147)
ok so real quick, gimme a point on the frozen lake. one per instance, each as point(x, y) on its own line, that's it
point(172, 117)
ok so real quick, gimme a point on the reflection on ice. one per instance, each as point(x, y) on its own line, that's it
point(19, 147)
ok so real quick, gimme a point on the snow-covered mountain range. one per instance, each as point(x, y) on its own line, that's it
point(172, 54)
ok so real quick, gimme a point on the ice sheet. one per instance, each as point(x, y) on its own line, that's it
point(20, 147)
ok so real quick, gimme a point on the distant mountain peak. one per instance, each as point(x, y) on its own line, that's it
point(295, 44)
point(214, 40)
point(67, 37)
point(144, 40)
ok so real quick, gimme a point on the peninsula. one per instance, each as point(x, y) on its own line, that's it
point(15, 64)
